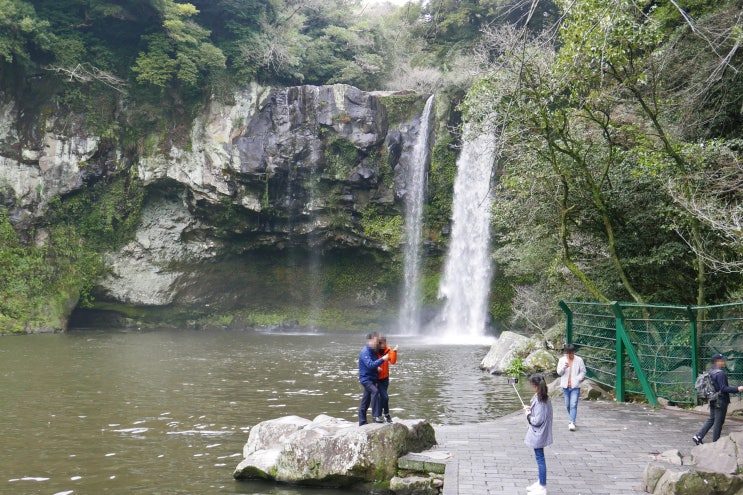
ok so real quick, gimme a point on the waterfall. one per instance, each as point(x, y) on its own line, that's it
point(465, 284)
point(409, 321)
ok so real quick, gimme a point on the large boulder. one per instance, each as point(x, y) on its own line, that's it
point(710, 470)
point(503, 351)
point(540, 361)
point(329, 451)
point(589, 390)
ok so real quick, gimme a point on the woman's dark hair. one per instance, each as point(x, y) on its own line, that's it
point(538, 381)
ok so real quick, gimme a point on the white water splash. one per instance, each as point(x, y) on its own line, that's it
point(409, 320)
point(465, 285)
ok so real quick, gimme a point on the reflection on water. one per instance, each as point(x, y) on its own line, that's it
point(169, 412)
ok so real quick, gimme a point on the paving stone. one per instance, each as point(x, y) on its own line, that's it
point(606, 455)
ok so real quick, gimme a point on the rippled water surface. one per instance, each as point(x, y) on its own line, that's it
point(167, 412)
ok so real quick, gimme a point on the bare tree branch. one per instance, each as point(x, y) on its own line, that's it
point(85, 73)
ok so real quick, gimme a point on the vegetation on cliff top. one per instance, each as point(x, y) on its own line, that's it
point(620, 165)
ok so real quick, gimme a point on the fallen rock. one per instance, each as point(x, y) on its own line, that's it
point(672, 456)
point(416, 485)
point(430, 461)
point(502, 352)
point(711, 470)
point(330, 451)
point(717, 457)
point(590, 390)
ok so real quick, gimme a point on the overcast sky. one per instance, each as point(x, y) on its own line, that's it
point(396, 2)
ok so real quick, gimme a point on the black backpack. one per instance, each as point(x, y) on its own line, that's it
point(706, 387)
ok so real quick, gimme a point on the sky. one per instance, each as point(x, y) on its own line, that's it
point(396, 2)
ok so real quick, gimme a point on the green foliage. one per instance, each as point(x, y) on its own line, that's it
point(105, 215)
point(501, 294)
point(384, 228)
point(403, 107)
point(21, 32)
point(430, 286)
point(40, 284)
point(441, 182)
point(183, 53)
point(516, 367)
point(449, 28)
point(341, 155)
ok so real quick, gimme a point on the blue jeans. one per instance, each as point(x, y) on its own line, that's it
point(541, 466)
point(571, 401)
point(371, 395)
point(384, 397)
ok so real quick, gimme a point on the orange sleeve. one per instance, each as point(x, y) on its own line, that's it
point(393, 356)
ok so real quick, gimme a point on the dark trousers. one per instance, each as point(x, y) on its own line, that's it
point(371, 395)
point(384, 397)
point(716, 418)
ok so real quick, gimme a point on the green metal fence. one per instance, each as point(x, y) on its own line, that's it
point(655, 350)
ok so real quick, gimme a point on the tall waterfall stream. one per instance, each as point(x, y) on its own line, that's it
point(414, 202)
point(465, 284)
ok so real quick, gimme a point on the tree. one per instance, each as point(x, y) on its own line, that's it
point(586, 111)
point(22, 32)
point(183, 53)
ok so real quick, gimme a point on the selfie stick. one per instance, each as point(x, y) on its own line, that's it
point(512, 381)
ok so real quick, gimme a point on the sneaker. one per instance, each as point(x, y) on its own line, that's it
point(571, 426)
point(697, 440)
point(388, 418)
point(539, 490)
point(378, 419)
point(532, 487)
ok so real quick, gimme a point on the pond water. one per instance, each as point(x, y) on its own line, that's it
point(167, 412)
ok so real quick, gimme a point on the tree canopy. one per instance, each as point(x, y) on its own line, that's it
point(604, 152)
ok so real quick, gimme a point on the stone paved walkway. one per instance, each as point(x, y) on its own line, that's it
point(605, 456)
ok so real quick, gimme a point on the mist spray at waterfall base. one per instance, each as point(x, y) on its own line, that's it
point(465, 285)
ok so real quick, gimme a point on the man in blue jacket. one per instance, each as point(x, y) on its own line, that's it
point(718, 408)
point(368, 377)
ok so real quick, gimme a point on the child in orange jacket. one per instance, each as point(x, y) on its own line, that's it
point(384, 374)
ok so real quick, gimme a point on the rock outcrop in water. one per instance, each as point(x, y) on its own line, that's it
point(329, 451)
point(272, 180)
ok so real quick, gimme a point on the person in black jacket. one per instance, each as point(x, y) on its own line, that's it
point(718, 408)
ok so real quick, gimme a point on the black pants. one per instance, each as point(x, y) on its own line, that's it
point(384, 397)
point(716, 418)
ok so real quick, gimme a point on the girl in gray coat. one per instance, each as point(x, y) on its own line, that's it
point(539, 434)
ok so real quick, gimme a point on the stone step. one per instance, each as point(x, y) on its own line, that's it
point(428, 461)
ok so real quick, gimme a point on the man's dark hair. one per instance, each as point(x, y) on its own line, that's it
point(718, 357)
point(371, 335)
point(568, 348)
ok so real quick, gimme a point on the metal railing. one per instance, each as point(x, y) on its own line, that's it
point(651, 349)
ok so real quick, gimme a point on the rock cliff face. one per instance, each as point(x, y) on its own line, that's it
point(276, 180)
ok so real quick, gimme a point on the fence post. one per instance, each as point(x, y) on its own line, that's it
point(619, 381)
point(625, 344)
point(568, 322)
point(694, 350)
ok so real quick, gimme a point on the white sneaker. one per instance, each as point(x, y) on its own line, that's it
point(539, 490)
point(532, 487)
point(571, 426)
